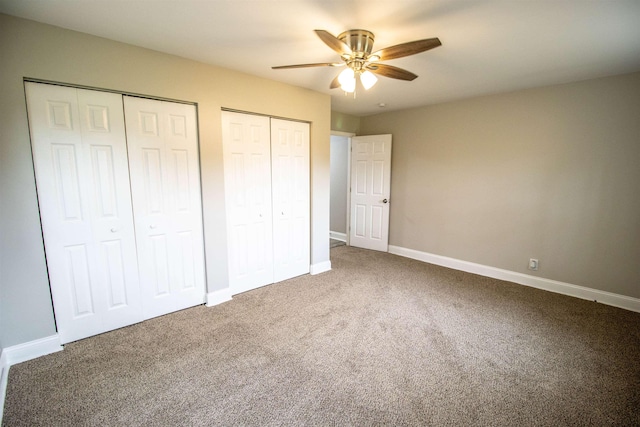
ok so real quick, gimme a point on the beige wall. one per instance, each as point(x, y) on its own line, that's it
point(34, 50)
point(550, 173)
point(345, 122)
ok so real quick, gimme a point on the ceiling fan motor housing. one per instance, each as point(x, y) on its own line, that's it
point(360, 42)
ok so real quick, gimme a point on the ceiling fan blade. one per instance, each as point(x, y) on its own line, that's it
point(391, 71)
point(333, 42)
point(319, 64)
point(406, 49)
point(335, 83)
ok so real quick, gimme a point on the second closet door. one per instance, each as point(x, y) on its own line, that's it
point(290, 196)
point(247, 173)
point(165, 187)
point(266, 169)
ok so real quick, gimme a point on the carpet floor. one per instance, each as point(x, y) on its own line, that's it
point(379, 340)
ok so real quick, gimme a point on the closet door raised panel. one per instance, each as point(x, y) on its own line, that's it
point(247, 164)
point(290, 195)
point(80, 161)
point(165, 186)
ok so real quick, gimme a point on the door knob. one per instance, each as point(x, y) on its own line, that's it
point(152, 226)
point(385, 201)
point(114, 229)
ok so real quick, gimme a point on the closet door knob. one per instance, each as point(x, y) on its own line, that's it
point(114, 229)
point(385, 201)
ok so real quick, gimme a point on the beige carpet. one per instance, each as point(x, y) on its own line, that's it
point(379, 340)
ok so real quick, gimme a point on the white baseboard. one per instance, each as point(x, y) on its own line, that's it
point(609, 298)
point(320, 267)
point(32, 349)
point(4, 375)
point(218, 297)
point(21, 353)
point(338, 236)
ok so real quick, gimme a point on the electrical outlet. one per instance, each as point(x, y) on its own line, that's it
point(533, 264)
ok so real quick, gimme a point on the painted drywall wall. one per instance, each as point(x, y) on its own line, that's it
point(35, 50)
point(549, 173)
point(339, 185)
point(345, 122)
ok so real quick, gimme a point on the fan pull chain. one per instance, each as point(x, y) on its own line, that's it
point(354, 94)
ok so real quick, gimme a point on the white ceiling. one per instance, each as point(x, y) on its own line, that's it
point(487, 47)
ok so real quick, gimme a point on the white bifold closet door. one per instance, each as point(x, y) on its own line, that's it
point(80, 160)
point(266, 169)
point(162, 143)
point(290, 198)
point(247, 176)
point(120, 211)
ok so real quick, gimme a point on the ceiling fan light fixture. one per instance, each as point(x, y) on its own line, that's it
point(347, 79)
point(346, 75)
point(349, 86)
point(368, 79)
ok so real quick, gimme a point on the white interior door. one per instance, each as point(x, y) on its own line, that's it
point(370, 192)
point(290, 196)
point(165, 186)
point(247, 177)
point(80, 160)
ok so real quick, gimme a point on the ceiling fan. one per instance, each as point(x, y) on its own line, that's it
point(355, 49)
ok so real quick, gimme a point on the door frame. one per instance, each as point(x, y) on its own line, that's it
point(348, 135)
